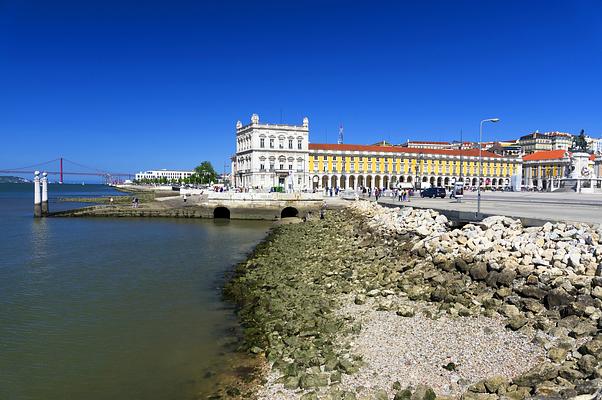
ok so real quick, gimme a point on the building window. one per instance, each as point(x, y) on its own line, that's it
point(261, 167)
point(281, 166)
point(325, 158)
point(290, 144)
point(290, 167)
point(271, 166)
point(271, 143)
point(299, 144)
point(334, 158)
point(262, 143)
point(281, 143)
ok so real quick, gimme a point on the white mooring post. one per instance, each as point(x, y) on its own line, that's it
point(44, 194)
point(37, 199)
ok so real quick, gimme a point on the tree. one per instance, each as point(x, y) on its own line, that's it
point(204, 173)
point(579, 142)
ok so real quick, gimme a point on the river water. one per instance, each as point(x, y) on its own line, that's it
point(94, 308)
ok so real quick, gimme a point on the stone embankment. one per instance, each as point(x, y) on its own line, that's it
point(378, 303)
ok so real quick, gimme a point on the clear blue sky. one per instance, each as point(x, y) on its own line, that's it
point(125, 87)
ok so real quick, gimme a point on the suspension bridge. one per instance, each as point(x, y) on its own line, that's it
point(57, 167)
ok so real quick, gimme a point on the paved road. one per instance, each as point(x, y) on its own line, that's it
point(571, 207)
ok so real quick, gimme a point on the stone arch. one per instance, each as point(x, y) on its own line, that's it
point(386, 182)
point(325, 181)
point(333, 181)
point(377, 181)
point(432, 181)
point(440, 182)
point(342, 182)
point(289, 212)
point(410, 179)
point(474, 181)
point(494, 182)
point(315, 181)
point(402, 179)
point(221, 212)
point(369, 182)
point(361, 181)
point(446, 181)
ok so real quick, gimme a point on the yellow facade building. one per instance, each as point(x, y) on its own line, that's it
point(353, 166)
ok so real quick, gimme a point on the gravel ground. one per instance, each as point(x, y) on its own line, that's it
point(413, 350)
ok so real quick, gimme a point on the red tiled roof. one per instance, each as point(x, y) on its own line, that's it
point(392, 149)
point(546, 155)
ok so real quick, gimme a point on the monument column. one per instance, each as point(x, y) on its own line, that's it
point(37, 198)
point(44, 193)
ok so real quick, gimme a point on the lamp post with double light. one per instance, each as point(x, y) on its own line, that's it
point(481, 161)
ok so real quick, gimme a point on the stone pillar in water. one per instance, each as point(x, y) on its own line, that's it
point(37, 198)
point(44, 194)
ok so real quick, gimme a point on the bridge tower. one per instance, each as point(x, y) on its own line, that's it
point(61, 172)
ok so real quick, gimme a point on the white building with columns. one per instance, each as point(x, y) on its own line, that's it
point(271, 155)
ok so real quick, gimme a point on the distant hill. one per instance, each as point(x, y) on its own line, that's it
point(13, 179)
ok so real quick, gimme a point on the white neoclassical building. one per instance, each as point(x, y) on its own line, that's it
point(269, 155)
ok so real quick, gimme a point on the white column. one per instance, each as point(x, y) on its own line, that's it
point(44, 193)
point(37, 198)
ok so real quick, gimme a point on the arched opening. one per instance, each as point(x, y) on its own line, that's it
point(386, 182)
point(361, 182)
point(369, 181)
point(352, 182)
point(446, 182)
point(324, 182)
point(289, 212)
point(315, 182)
point(432, 181)
point(221, 212)
point(474, 181)
point(440, 181)
point(333, 182)
point(402, 179)
point(410, 179)
point(377, 182)
point(342, 182)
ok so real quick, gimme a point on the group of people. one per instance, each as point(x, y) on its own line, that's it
point(330, 191)
point(402, 194)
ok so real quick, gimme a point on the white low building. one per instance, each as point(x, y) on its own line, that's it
point(271, 155)
point(170, 175)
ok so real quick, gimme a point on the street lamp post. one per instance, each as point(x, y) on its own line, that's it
point(481, 162)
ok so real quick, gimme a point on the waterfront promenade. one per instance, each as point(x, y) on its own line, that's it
point(570, 207)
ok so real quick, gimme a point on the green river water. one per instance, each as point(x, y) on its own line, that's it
point(94, 308)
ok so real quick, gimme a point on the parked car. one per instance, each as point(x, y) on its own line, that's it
point(433, 192)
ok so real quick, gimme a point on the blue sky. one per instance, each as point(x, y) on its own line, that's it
point(125, 86)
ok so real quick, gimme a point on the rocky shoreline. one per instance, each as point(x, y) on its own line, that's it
point(378, 303)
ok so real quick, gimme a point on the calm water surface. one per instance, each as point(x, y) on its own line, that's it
point(112, 308)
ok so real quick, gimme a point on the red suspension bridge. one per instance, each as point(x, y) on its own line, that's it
point(56, 167)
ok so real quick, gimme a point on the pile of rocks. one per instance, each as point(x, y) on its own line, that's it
point(546, 281)
point(401, 222)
